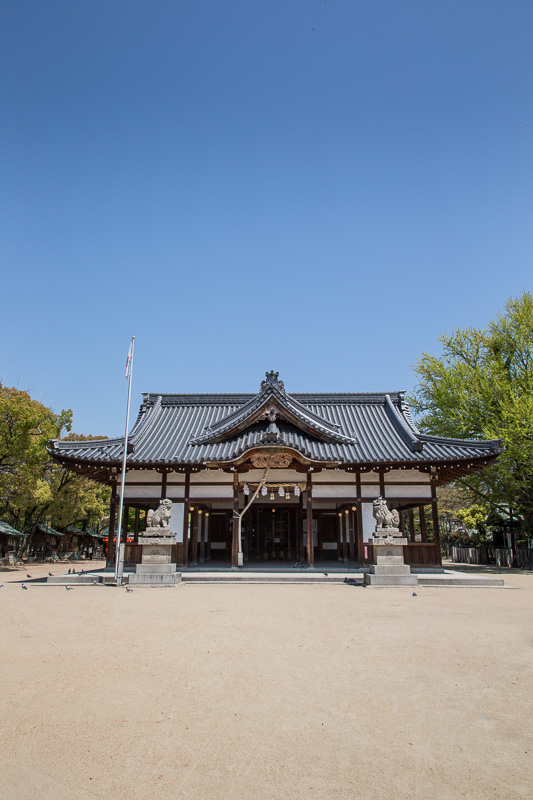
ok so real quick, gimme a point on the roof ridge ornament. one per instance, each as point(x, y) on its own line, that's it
point(272, 380)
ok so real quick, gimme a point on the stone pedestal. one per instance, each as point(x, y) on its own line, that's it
point(388, 568)
point(156, 567)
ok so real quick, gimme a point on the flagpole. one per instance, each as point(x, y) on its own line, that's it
point(119, 560)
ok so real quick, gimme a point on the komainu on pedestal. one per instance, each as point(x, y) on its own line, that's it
point(388, 568)
point(156, 567)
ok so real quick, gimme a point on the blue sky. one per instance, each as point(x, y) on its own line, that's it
point(320, 188)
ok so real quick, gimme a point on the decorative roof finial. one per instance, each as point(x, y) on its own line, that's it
point(272, 379)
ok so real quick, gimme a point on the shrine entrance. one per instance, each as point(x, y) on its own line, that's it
point(271, 534)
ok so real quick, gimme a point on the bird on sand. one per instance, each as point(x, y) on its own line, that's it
point(51, 575)
point(68, 587)
point(28, 575)
point(129, 589)
point(24, 586)
point(415, 594)
point(95, 581)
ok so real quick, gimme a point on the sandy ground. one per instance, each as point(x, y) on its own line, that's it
point(265, 691)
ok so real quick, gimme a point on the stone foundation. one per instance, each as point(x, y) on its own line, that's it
point(156, 567)
point(389, 568)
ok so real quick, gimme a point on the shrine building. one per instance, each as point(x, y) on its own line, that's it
point(312, 465)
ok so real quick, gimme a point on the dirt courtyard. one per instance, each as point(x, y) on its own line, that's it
point(265, 691)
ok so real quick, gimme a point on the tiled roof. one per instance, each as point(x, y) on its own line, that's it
point(364, 429)
point(7, 530)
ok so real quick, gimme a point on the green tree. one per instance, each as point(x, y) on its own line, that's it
point(474, 519)
point(33, 488)
point(75, 499)
point(25, 427)
point(481, 386)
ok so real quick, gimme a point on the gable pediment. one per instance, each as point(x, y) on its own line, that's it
point(272, 405)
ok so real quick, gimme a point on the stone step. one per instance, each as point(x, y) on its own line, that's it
point(390, 569)
point(460, 580)
point(153, 569)
point(154, 579)
point(391, 580)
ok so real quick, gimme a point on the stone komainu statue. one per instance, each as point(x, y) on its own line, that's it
point(160, 517)
point(384, 517)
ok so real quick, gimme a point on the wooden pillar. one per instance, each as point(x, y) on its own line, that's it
point(235, 524)
point(402, 522)
point(351, 535)
point(206, 536)
point(110, 555)
point(201, 533)
point(423, 526)
point(435, 517)
point(382, 483)
point(186, 511)
point(299, 528)
point(136, 528)
point(411, 516)
point(310, 543)
point(125, 515)
point(194, 536)
point(359, 520)
point(163, 485)
point(345, 534)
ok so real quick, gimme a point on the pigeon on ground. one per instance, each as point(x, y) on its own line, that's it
point(129, 589)
point(69, 570)
point(28, 575)
point(50, 574)
point(415, 594)
point(24, 586)
point(68, 587)
point(73, 571)
point(1, 585)
point(94, 581)
point(326, 574)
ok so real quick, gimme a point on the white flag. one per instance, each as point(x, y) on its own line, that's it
point(128, 361)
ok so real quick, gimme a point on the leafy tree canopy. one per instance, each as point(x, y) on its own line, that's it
point(33, 489)
point(481, 386)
